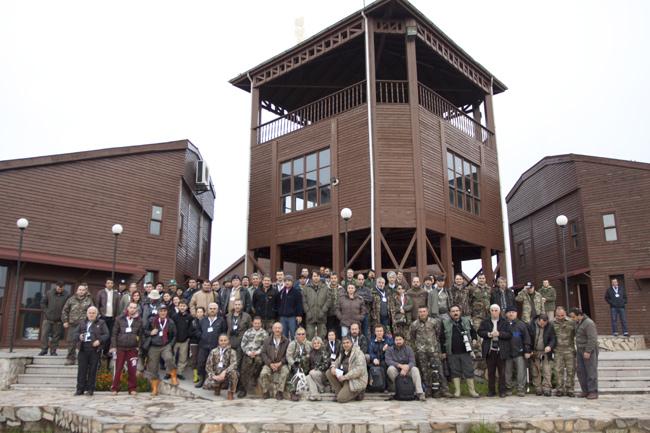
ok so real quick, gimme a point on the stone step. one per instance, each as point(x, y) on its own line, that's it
point(624, 382)
point(629, 372)
point(638, 363)
point(49, 369)
point(48, 387)
point(49, 360)
point(640, 390)
point(47, 379)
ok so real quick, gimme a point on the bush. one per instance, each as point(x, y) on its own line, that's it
point(105, 380)
point(480, 387)
point(482, 428)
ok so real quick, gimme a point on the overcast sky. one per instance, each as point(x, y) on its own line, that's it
point(82, 75)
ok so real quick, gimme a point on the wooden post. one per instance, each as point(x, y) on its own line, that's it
point(420, 229)
point(446, 258)
point(276, 259)
point(255, 121)
point(337, 257)
point(486, 261)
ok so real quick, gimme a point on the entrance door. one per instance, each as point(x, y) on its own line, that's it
point(583, 292)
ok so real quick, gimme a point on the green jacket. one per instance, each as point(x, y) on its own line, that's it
point(550, 295)
point(480, 301)
point(425, 336)
point(315, 302)
point(565, 334)
point(448, 327)
point(586, 335)
point(75, 308)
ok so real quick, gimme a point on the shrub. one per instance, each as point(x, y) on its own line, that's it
point(105, 380)
point(482, 428)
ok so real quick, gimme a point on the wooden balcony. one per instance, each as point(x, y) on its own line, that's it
point(388, 92)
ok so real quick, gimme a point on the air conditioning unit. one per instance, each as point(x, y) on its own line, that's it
point(202, 176)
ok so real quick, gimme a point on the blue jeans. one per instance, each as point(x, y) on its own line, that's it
point(365, 327)
point(289, 326)
point(616, 313)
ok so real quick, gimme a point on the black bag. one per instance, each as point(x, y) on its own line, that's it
point(404, 388)
point(376, 379)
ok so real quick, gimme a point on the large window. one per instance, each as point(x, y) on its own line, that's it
point(463, 177)
point(29, 315)
point(155, 224)
point(609, 224)
point(305, 182)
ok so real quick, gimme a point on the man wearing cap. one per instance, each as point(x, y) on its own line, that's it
point(52, 305)
point(519, 351)
point(121, 291)
point(151, 308)
point(439, 299)
point(289, 307)
point(236, 292)
point(202, 298)
point(172, 286)
point(208, 331)
point(548, 299)
point(542, 336)
point(531, 302)
point(587, 348)
point(161, 331)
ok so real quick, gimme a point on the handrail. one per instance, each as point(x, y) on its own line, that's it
point(436, 104)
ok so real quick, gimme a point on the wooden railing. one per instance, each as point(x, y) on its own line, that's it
point(444, 109)
point(388, 92)
point(326, 107)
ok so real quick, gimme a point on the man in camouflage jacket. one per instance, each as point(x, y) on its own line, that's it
point(425, 339)
point(221, 368)
point(74, 311)
point(565, 353)
point(531, 303)
point(460, 295)
point(251, 346)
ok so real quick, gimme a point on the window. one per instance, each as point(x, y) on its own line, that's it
point(573, 233)
point(463, 177)
point(181, 229)
point(305, 182)
point(29, 314)
point(609, 224)
point(3, 285)
point(521, 253)
point(151, 277)
point(155, 224)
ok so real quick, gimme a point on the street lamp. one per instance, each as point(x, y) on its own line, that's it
point(117, 230)
point(562, 221)
point(22, 224)
point(346, 214)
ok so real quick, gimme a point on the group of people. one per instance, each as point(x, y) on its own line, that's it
point(356, 334)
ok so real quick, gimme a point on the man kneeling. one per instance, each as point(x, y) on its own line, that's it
point(348, 375)
point(221, 368)
point(401, 360)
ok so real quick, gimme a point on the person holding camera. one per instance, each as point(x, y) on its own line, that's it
point(542, 337)
point(456, 344)
point(90, 334)
point(298, 358)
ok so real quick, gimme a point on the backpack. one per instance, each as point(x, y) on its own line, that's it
point(376, 379)
point(404, 388)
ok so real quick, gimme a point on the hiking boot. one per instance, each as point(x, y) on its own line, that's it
point(421, 397)
point(547, 393)
point(42, 352)
point(294, 397)
point(53, 352)
point(559, 393)
point(361, 396)
point(592, 396)
point(241, 394)
point(279, 395)
point(521, 394)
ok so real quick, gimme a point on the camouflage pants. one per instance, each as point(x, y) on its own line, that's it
point(229, 382)
point(316, 329)
point(250, 371)
point(565, 361)
point(425, 361)
point(479, 362)
point(540, 367)
point(273, 382)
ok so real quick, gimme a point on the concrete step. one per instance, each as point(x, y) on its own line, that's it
point(636, 363)
point(36, 379)
point(49, 360)
point(48, 387)
point(48, 369)
point(624, 382)
point(628, 372)
point(641, 390)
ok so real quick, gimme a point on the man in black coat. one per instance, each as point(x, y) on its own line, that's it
point(542, 340)
point(210, 327)
point(183, 320)
point(496, 335)
point(503, 296)
point(519, 351)
point(289, 307)
point(90, 334)
point(52, 327)
point(264, 303)
point(616, 297)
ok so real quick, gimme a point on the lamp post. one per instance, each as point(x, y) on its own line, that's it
point(562, 221)
point(117, 230)
point(346, 214)
point(22, 224)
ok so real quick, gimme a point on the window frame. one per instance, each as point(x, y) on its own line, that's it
point(574, 238)
point(605, 228)
point(160, 222)
point(521, 254)
point(296, 192)
point(464, 190)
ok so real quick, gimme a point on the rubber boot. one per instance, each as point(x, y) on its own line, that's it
point(154, 387)
point(174, 377)
point(456, 381)
point(470, 387)
point(196, 376)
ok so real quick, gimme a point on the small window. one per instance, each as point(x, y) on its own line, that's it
point(521, 253)
point(609, 224)
point(155, 225)
point(181, 229)
point(151, 277)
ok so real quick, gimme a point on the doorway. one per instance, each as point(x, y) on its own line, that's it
point(583, 294)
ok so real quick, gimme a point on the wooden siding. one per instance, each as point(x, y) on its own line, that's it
point(259, 227)
point(625, 192)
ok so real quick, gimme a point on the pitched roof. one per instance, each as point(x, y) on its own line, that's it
point(243, 82)
point(12, 164)
point(573, 157)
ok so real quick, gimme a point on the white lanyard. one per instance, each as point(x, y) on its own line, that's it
point(221, 352)
point(401, 299)
point(212, 321)
point(300, 349)
point(162, 325)
point(129, 321)
point(332, 346)
point(383, 294)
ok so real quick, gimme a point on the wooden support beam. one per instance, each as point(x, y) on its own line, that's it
point(486, 261)
point(408, 251)
point(357, 252)
point(388, 250)
point(259, 267)
point(435, 255)
point(337, 255)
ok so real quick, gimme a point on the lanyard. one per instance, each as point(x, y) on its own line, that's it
point(162, 325)
point(221, 352)
point(401, 299)
point(300, 349)
point(129, 321)
point(332, 346)
point(383, 294)
point(212, 321)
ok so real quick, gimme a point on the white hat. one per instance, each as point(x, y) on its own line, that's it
point(154, 294)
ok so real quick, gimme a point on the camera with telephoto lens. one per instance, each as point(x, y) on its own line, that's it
point(468, 345)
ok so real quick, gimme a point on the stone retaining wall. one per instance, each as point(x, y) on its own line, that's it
point(10, 367)
point(48, 418)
